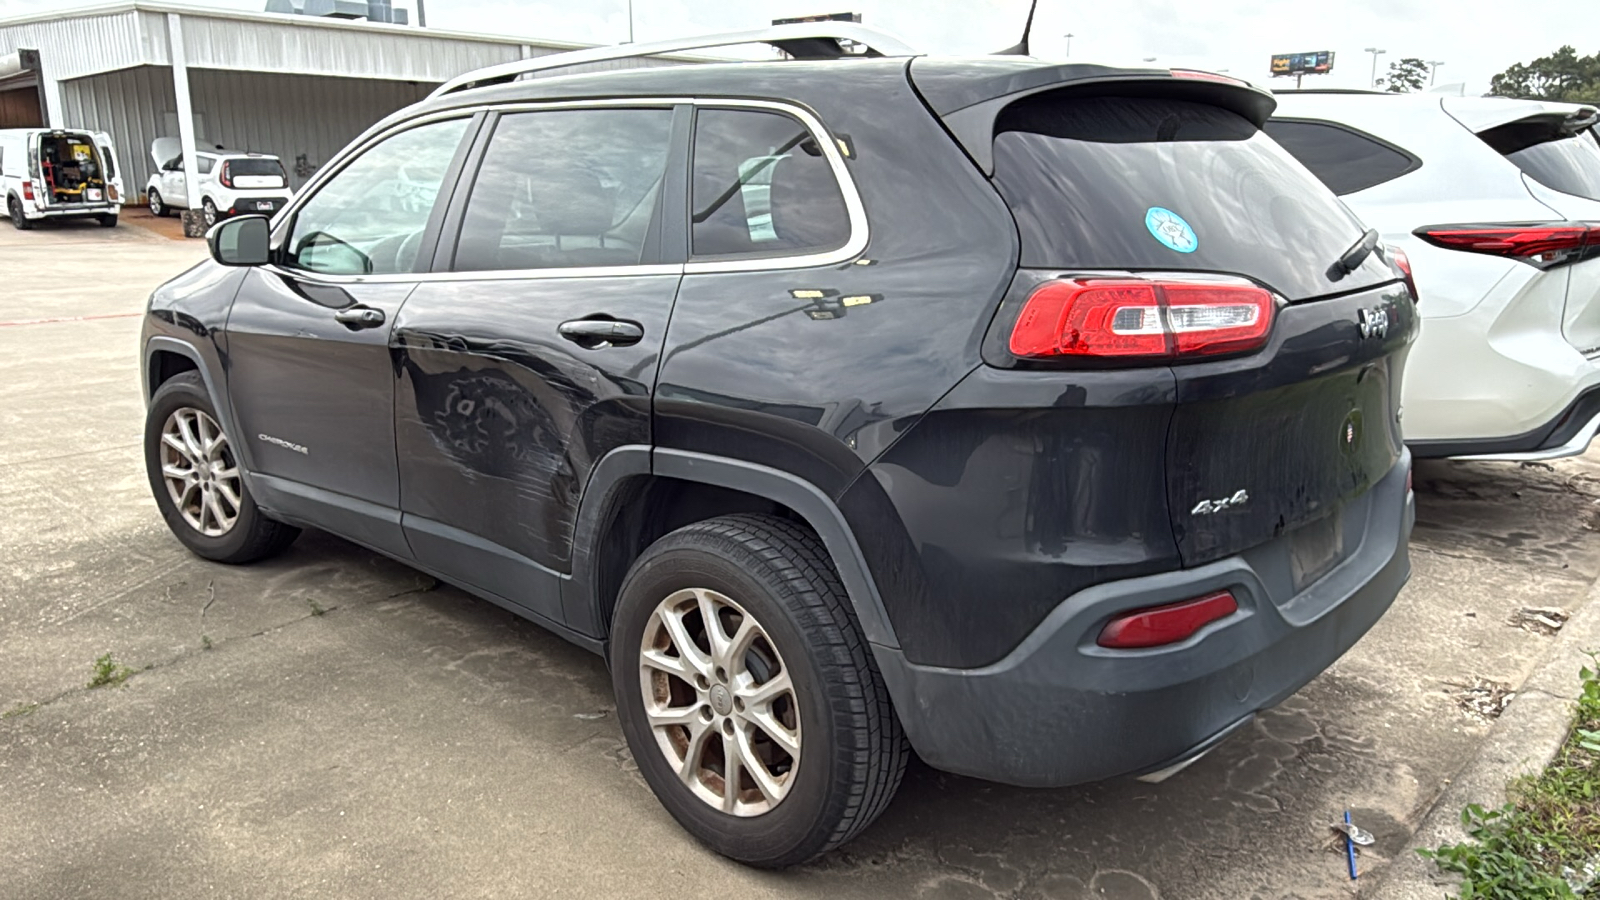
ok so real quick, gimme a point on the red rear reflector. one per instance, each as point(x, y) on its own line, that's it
point(1132, 317)
point(1168, 624)
point(1540, 245)
point(27, 190)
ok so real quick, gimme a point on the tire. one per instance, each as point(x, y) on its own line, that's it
point(250, 535)
point(209, 210)
point(109, 220)
point(18, 220)
point(158, 207)
point(851, 752)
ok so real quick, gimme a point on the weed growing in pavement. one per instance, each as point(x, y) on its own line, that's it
point(21, 709)
point(205, 642)
point(1545, 843)
point(108, 671)
point(317, 608)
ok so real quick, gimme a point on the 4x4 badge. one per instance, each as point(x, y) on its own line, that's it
point(1207, 507)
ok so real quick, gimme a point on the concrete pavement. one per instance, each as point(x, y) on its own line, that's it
point(332, 724)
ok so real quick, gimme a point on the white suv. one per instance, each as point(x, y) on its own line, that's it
point(230, 182)
point(1497, 204)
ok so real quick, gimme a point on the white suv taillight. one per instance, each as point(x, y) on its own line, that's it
point(1543, 245)
point(1137, 317)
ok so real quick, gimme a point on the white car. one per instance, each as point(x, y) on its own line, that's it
point(229, 182)
point(1496, 202)
point(57, 174)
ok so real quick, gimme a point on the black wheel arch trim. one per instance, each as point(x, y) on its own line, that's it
point(219, 397)
point(810, 502)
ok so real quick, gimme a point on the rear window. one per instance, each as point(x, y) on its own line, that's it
point(1155, 184)
point(254, 166)
point(1342, 158)
point(1570, 165)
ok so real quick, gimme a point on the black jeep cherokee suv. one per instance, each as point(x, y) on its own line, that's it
point(1041, 418)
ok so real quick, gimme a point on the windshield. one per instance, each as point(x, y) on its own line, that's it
point(1157, 184)
point(1570, 165)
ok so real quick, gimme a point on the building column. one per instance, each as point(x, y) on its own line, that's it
point(49, 91)
point(180, 90)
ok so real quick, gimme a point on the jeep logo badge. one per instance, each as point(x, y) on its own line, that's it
point(1373, 322)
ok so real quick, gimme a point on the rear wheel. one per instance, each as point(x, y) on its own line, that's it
point(210, 210)
point(747, 695)
point(109, 220)
point(18, 220)
point(196, 478)
point(158, 207)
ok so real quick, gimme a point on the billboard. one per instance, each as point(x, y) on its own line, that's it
point(1319, 62)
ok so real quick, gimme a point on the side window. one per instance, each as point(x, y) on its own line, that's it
point(368, 219)
point(1343, 159)
point(566, 188)
point(204, 164)
point(762, 186)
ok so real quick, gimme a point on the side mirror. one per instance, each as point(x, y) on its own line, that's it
point(241, 242)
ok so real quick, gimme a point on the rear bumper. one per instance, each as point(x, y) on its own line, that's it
point(252, 206)
point(66, 212)
point(1567, 434)
point(1061, 710)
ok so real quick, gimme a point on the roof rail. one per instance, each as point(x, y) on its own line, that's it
point(804, 40)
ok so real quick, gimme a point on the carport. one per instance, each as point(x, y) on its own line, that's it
point(296, 86)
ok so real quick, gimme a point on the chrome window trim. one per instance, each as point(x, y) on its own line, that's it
point(854, 209)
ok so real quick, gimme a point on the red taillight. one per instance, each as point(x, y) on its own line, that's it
point(1546, 245)
point(1133, 317)
point(1403, 263)
point(226, 177)
point(27, 190)
point(1168, 624)
point(1202, 75)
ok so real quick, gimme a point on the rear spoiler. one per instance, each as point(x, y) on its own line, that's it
point(969, 102)
point(1538, 129)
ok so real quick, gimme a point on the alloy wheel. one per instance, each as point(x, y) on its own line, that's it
point(210, 212)
point(720, 702)
point(200, 472)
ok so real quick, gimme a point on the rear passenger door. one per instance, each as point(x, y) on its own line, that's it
point(533, 352)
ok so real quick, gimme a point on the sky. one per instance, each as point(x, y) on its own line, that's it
point(1474, 38)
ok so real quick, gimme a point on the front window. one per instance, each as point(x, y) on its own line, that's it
point(368, 219)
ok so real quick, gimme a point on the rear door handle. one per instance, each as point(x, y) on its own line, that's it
point(359, 317)
point(592, 334)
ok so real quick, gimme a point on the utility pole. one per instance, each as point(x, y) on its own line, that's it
point(1375, 53)
point(422, 15)
point(1433, 70)
point(1069, 43)
point(630, 21)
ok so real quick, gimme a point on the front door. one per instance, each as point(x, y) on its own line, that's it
point(309, 371)
point(538, 354)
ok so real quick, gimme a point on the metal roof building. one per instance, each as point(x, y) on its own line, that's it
point(296, 86)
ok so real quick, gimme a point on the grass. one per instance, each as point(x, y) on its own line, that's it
point(21, 709)
point(109, 671)
point(1545, 843)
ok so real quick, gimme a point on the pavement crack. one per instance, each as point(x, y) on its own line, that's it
point(58, 457)
point(211, 591)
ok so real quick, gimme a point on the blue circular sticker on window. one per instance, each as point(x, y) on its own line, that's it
point(1169, 228)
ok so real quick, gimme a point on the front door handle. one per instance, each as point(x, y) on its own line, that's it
point(592, 334)
point(359, 316)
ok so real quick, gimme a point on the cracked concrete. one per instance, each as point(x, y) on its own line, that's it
point(411, 741)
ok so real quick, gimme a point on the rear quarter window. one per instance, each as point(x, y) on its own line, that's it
point(1344, 159)
point(1164, 185)
point(1570, 165)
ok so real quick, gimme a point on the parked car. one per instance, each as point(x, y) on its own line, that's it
point(229, 182)
point(1497, 203)
point(58, 174)
point(1043, 417)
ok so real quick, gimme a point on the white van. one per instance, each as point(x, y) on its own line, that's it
point(48, 173)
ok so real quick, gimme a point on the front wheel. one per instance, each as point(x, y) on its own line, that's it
point(747, 694)
point(158, 207)
point(195, 475)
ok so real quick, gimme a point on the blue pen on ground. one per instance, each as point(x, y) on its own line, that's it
point(1350, 847)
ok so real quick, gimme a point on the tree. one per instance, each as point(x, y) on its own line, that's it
point(1563, 75)
point(1407, 75)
